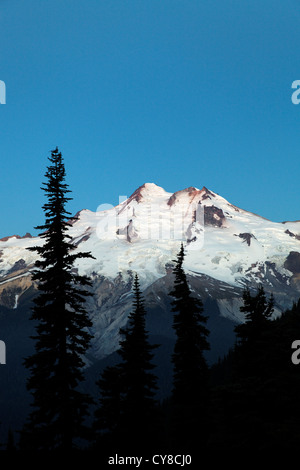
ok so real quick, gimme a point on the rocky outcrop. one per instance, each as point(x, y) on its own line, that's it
point(5, 239)
point(291, 234)
point(191, 192)
point(213, 216)
point(292, 262)
point(137, 195)
point(129, 232)
point(206, 193)
point(246, 237)
point(12, 290)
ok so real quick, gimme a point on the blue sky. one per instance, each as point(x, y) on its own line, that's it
point(175, 92)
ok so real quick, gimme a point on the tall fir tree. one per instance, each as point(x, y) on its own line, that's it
point(62, 328)
point(244, 406)
point(190, 395)
point(128, 405)
point(251, 345)
point(258, 310)
point(106, 424)
point(260, 408)
point(284, 371)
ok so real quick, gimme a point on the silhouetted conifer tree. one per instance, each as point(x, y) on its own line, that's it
point(62, 324)
point(107, 416)
point(127, 405)
point(258, 406)
point(251, 334)
point(282, 378)
point(190, 395)
point(242, 412)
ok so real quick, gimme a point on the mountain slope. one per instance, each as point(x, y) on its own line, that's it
point(227, 248)
point(144, 233)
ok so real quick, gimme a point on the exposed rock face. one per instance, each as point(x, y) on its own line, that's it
point(5, 239)
point(213, 216)
point(191, 192)
point(129, 231)
point(292, 263)
point(11, 291)
point(246, 237)
point(137, 195)
point(206, 193)
point(84, 238)
point(291, 234)
point(19, 265)
point(74, 218)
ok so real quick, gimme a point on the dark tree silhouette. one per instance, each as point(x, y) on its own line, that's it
point(107, 416)
point(127, 404)
point(258, 311)
point(190, 393)
point(62, 324)
point(251, 334)
point(244, 408)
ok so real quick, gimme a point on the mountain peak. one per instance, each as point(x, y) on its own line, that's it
point(18, 237)
point(190, 194)
point(206, 193)
point(147, 190)
point(152, 190)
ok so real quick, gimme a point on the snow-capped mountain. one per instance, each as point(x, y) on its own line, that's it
point(226, 249)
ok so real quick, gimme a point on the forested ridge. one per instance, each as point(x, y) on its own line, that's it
point(248, 400)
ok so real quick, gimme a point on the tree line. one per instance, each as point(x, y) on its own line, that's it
point(248, 400)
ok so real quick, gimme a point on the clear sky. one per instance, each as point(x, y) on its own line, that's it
point(175, 92)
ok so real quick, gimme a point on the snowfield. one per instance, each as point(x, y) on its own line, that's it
point(143, 234)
